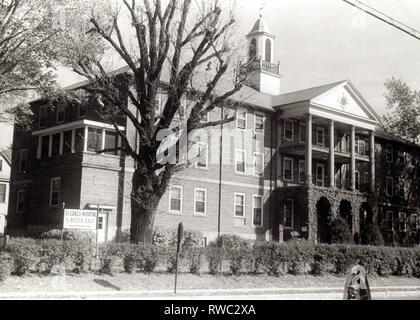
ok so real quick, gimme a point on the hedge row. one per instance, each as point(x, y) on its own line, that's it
point(24, 255)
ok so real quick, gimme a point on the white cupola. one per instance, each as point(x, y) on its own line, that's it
point(263, 74)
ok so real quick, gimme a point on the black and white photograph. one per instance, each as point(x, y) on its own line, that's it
point(228, 151)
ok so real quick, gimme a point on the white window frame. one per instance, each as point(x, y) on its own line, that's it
point(19, 192)
point(241, 118)
point(58, 112)
point(259, 131)
point(234, 205)
point(320, 129)
point(51, 191)
point(170, 199)
point(302, 171)
point(302, 125)
point(293, 129)
point(5, 192)
point(255, 164)
point(39, 116)
point(293, 214)
point(320, 165)
point(236, 161)
point(389, 149)
point(195, 202)
point(20, 160)
point(207, 155)
point(392, 186)
point(253, 210)
point(284, 168)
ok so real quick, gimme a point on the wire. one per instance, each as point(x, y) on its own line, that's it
point(383, 17)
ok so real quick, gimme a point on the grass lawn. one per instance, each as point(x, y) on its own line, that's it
point(121, 281)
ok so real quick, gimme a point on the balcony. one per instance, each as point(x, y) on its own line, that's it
point(261, 65)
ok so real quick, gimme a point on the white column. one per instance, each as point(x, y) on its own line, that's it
point(50, 146)
point(85, 140)
point(61, 142)
point(352, 158)
point(308, 150)
point(331, 162)
point(38, 150)
point(73, 141)
point(103, 140)
point(372, 161)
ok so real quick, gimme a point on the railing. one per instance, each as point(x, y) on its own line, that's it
point(262, 65)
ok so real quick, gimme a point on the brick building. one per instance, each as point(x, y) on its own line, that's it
point(287, 164)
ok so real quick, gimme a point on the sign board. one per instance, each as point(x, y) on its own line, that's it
point(80, 219)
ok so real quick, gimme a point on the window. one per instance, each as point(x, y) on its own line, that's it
point(362, 147)
point(80, 140)
point(23, 160)
point(202, 155)
point(253, 50)
point(111, 142)
point(268, 50)
point(55, 192)
point(200, 201)
point(2, 193)
point(20, 202)
point(389, 153)
point(389, 186)
point(402, 221)
point(302, 177)
point(414, 224)
point(337, 141)
point(56, 140)
point(402, 189)
point(45, 147)
point(320, 173)
point(67, 141)
point(241, 119)
point(357, 180)
point(259, 120)
point(289, 213)
point(320, 136)
point(302, 133)
point(61, 113)
point(389, 220)
point(175, 199)
point(240, 162)
point(82, 110)
point(94, 139)
point(257, 211)
point(288, 130)
point(42, 117)
point(258, 164)
point(239, 205)
point(288, 169)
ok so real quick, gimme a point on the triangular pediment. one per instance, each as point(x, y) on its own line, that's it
point(344, 98)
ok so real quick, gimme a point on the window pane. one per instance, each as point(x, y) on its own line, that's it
point(2, 193)
point(302, 136)
point(82, 110)
point(240, 161)
point(257, 217)
point(288, 131)
point(80, 139)
point(175, 204)
point(67, 142)
point(259, 122)
point(111, 142)
point(94, 139)
point(288, 213)
point(241, 119)
point(239, 205)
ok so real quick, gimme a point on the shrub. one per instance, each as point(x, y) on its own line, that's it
point(299, 255)
point(340, 231)
point(374, 236)
point(25, 253)
point(51, 255)
point(271, 257)
point(78, 255)
point(69, 235)
point(6, 266)
point(214, 258)
point(169, 237)
point(194, 257)
point(324, 259)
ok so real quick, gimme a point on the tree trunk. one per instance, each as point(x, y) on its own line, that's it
point(142, 219)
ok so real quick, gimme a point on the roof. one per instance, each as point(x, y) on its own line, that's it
point(383, 134)
point(304, 95)
point(260, 26)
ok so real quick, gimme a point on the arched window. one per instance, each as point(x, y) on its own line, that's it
point(253, 50)
point(268, 50)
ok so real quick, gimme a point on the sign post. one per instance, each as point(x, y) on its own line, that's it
point(178, 249)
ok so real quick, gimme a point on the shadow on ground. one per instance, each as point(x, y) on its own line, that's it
point(106, 284)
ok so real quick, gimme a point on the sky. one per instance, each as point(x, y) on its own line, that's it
point(324, 41)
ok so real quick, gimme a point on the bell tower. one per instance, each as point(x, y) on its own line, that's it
point(263, 74)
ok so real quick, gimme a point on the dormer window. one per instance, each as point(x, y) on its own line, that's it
point(268, 50)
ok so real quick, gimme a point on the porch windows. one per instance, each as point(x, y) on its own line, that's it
point(42, 116)
point(289, 213)
point(287, 169)
point(302, 132)
point(288, 130)
point(94, 142)
point(357, 180)
point(61, 112)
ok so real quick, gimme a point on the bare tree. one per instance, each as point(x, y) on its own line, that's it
point(182, 46)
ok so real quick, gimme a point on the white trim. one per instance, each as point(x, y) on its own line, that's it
point(293, 214)
point(75, 125)
point(262, 210)
point(262, 164)
point(170, 198)
point(255, 122)
point(234, 205)
point(246, 119)
point(236, 161)
point(284, 168)
point(85, 138)
point(320, 165)
point(195, 202)
point(284, 129)
point(51, 191)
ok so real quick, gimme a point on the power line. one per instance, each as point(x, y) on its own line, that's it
point(384, 18)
